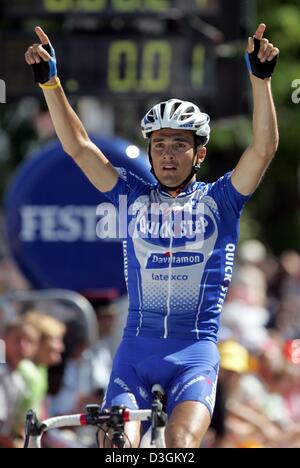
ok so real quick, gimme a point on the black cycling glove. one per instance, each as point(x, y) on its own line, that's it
point(44, 71)
point(260, 69)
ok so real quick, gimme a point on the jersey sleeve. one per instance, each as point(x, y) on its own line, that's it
point(227, 197)
point(129, 185)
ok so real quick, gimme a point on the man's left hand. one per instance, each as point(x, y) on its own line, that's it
point(261, 55)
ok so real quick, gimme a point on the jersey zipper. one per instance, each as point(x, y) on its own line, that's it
point(166, 331)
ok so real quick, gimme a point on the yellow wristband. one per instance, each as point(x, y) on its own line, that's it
point(50, 87)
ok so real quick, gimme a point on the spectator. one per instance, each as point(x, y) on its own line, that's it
point(288, 320)
point(17, 338)
point(87, 370)
point(245, 315)
point(49, 353)
point(72, 382)
point(108, 322)
point(252, 252)
point(234, 362)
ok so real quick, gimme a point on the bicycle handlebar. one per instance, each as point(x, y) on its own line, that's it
point(115, 418)
point(35, 429)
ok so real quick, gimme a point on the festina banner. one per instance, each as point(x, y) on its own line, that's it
point(52, 211)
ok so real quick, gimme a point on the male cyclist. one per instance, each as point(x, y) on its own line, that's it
point(182, 236)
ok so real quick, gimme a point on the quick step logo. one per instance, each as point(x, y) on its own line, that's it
point(179, 259)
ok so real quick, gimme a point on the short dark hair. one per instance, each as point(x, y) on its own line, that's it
point(200, 141)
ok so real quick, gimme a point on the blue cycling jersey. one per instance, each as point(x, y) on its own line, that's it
point(178, 254)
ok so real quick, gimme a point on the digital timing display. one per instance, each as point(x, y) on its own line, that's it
point(123, 66)
point(102, 7)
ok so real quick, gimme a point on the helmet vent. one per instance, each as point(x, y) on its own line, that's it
point(174, 108)
point(187, 114)
point(162, 109)
point(150, 117)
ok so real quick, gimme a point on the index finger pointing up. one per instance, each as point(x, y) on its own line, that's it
point(42, 36)
point(260, 31)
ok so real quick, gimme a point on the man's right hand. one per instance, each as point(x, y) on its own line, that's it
point(42, 59)
point(69, 129)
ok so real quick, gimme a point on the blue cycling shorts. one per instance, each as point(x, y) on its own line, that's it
point(188, 371)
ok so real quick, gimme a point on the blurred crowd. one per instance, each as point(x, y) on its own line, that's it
point(258, 397)
point(53, 368)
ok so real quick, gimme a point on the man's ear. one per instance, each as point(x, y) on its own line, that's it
point(201, 153)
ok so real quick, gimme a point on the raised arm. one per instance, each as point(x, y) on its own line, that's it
point(68, 126)
point(257, 158)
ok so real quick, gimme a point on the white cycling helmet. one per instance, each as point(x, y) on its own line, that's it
point(177, 114)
